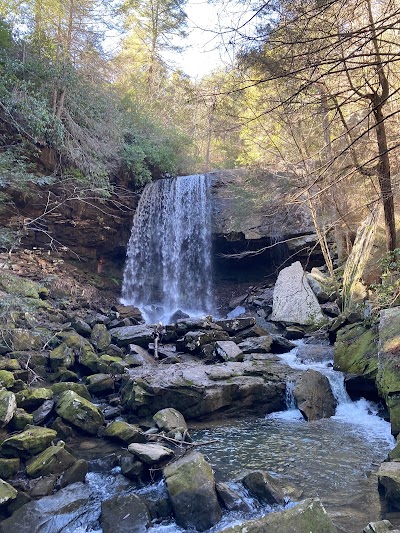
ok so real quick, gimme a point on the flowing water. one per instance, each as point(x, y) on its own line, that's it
point(168, 265)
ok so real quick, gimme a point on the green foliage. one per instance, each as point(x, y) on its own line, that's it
point(15, 170)
point(387, 293)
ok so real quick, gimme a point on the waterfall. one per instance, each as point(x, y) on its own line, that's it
point(168, 265)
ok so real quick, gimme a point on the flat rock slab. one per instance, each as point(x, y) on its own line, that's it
point(228, 351)
point(125, 513)
point(201, 390)
point(140, 335)
point(150, 453)
point(294, 300)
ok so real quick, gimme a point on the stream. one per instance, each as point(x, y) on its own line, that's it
point(334, 459)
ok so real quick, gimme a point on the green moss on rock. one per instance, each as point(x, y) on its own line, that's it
point(7, 379)
point(356, 351)
point(9, 467)
point(53, 460)
point(79, 412)
point(124, 432)
point(30, 442)
point(79, 388)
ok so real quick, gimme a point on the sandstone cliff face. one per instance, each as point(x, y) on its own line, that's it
point(248, 214)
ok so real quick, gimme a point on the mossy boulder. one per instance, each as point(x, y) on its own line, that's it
point(356, 351)
point(100, 384)
point(53, 460)
point(31, 399)
point(22, 287)
point(124, 432)
point(112, 364)
point(308, 516)
point(61, 357)
point(388, 376)
point(100, 337)
point(170, 419)
point(9, 364)
point(79, 412)
point(26, 339)
point(9, 467)
point(30, 442)
point(8, 406)
point(7, 493)
point(79, 388)
point(7, 379)
point(191, 487)
point(20, 420)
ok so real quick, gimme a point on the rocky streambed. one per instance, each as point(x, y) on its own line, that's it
point(91, 417)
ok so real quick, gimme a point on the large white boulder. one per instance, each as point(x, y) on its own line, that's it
point(294, 300)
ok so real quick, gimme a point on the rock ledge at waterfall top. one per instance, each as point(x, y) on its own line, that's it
point(294, 301)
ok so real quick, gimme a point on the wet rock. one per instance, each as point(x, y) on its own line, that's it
point(75, 474)
point(30, 442)
point(132, 468)
point(42, 486)
point(231, 499)
point(126, 513)
point(236, 324)
point(78, 388)
point(316, 353)
point(79, 412)
point(294, 301)
point(7, 493)
point(31, 399)
point(228, 351)
point(356, 351)
point(308, 516)
point(53, 460)
point(7, 379)
point(150, 453)
point(194, 340)
point(124, 432)
point(9, 467)
point(237, 301)
point(264, 487)
point(43, 412)
point(389, 482)
point(280, 344)
point(314, 396)
point(20, 420)
point(256, 344)
point(21, 499)
point(8, 406)
point(178, 315)
point(100, 337)
point(100, 384)
point(67, 509)
point(191, 487)
point(140, 335)
point(169, 420)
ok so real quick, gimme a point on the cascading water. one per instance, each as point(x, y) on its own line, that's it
point(168, 265)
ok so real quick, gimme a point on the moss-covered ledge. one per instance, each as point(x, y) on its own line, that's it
point(356, 351)
point(388, 376)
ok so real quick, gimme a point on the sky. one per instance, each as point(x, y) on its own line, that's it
point(208, 45)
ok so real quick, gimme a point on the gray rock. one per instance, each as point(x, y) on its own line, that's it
point(141, 335)
point(236, 324)
point(264, 487)
point(306, 517)
point(383, 526)
point(389, 482)
point(314, 396)
point(198, 390)
point(194, 340)
point(231, 499)
point(125, 513)
point(79, 412)
point(64, 511)
point(43, 412)
point(294, 301)
point(256, 344)
point(316, 353)
point(150, 453)
point(81, 327)
point(318, 289)
point(170, 419)
point(8, 406)
point(191, 487)
point(280, 344)
point(228, 351)
point(100, 337)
